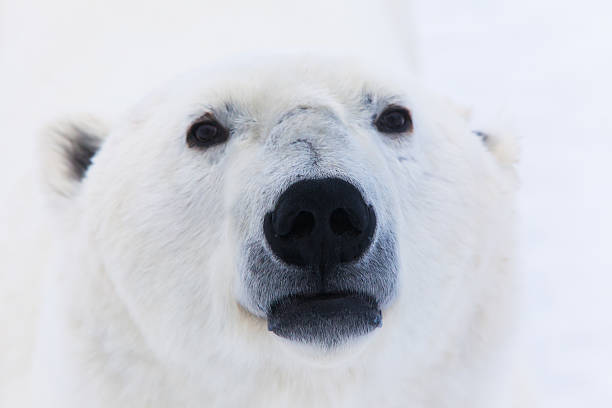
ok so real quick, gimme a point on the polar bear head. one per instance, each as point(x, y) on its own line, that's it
point(315, 207)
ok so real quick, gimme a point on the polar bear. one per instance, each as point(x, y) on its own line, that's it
point(291, 233)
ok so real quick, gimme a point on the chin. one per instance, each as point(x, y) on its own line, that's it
point(321, 356)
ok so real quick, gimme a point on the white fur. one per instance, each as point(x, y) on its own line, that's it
point(144, 304)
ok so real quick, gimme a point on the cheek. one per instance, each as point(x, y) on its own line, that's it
point(156, 241)
point(249, 185)
point(440, 234)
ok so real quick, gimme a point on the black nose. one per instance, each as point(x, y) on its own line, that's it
point(320, 223)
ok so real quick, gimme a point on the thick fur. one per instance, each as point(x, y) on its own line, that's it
point(148, 302)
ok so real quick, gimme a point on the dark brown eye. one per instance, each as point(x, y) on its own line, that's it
point(206, 132)
point(394, 119)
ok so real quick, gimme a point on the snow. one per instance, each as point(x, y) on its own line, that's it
point(544, 67)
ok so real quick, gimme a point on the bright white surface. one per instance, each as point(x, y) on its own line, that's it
point(544, 65)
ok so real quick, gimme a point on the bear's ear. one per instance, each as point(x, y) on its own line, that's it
point(502, 144)
point(66, 152)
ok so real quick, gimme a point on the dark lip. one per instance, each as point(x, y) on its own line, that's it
point(326, 319)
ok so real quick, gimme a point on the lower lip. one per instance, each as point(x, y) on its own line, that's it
point(326, 319)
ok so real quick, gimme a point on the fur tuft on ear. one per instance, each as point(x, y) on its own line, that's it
point(502, 144)
point(497, 134)
point(66, 152)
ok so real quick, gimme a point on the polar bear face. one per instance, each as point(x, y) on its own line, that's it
point(291, 206)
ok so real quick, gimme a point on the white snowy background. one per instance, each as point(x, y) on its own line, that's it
point(543, 66)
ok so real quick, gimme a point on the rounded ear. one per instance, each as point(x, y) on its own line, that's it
point(498, 135)
point(66, 151)
point(502, 144)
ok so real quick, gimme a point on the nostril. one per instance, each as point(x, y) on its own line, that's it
point(320, 223)
point(302, 225)
point(341, 223)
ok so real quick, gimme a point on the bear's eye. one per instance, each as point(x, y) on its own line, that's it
point(394, 119)
point(206, 132)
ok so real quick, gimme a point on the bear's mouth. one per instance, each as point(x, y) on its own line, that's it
point(324, 319)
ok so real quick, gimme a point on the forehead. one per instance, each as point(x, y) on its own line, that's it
point(241, 94)
point(282, 85)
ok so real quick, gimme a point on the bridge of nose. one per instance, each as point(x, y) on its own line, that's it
point(312, 129)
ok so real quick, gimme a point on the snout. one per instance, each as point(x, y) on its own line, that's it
point(320, 224)
point(322, 228)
